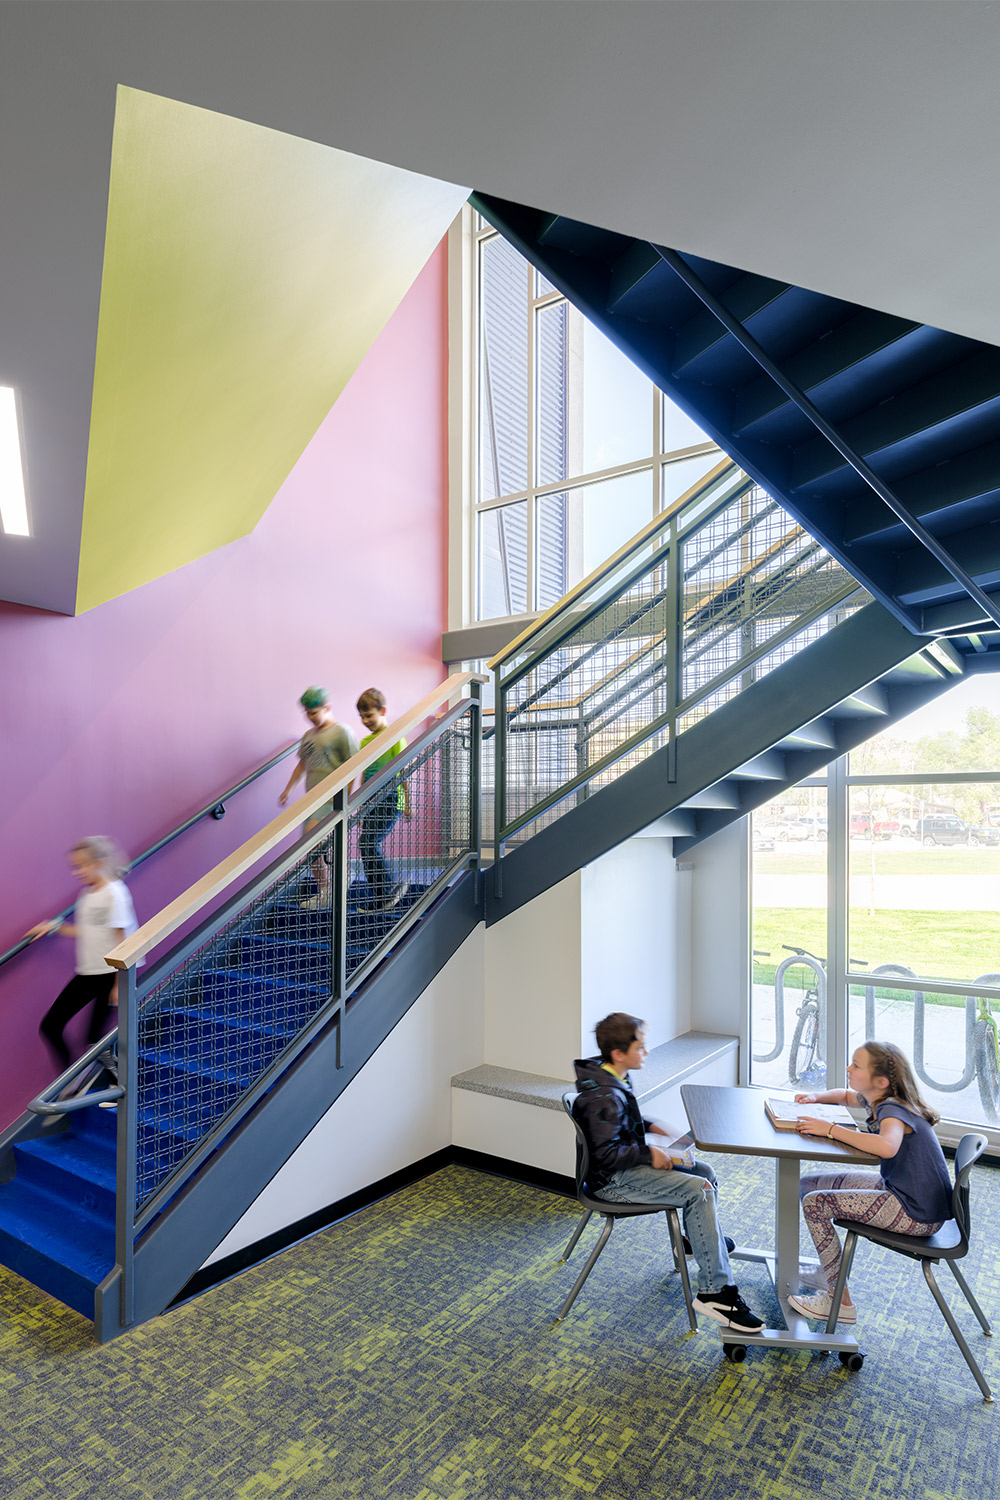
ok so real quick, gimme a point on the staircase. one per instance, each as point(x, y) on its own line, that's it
point(244, 1034)
point(877, 434)
point(720, 656)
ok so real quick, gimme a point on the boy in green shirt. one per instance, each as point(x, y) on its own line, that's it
point(383, 811)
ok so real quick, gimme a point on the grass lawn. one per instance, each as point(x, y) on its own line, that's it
point(953, 945)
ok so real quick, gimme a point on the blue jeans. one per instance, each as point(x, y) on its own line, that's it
point(376, 826)
point(683, 1188)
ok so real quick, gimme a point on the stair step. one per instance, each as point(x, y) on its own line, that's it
point(850, 368)
point(722, 795)
point(78, 1171)
point(770, 766)
point(966, 487)
point(871, 700)
point(746, 299)
point(963, 400)
point(67, 1254)
point(817, 735)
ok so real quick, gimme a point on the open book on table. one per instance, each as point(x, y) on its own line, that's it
point(680, 1151)
point(785, 1114)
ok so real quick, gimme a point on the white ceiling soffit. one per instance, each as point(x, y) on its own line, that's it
point(849, 148)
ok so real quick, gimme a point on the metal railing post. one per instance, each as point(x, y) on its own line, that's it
point(675, 644)
point(127, 1166)
point(340, 884)
point(475, 779)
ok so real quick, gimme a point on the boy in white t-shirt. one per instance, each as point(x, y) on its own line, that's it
point(102, 918)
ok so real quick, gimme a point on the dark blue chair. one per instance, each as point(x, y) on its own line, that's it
point(950, 1243)
point(611, 1212)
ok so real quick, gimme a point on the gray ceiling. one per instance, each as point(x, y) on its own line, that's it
point(846, 145)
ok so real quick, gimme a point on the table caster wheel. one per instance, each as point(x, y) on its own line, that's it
point(737, 1353)
point(852, 1361)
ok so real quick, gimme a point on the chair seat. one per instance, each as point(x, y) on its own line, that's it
point(609, 1206)
point(946, 1244)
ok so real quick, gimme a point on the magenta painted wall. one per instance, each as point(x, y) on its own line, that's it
point(133, 716)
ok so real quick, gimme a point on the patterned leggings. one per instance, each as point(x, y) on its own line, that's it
point(850, 1195)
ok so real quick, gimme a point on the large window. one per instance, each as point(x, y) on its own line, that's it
point(876, 910)
point(575, 448)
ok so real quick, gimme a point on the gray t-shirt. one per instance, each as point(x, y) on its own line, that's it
point(322, 750)
point(918, 1173)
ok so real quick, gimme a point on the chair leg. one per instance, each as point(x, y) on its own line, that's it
point(587, 1214)
point(605, 1235)
point(680, 1261)
point(846, 1262)
point(970, 1299)
point(956, 1331)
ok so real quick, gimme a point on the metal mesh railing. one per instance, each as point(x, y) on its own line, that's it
point(218, 1025)
point(706, 601)
point(210, 1030)
point(405, 829)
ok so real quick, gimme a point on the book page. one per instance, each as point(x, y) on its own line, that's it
point(787, 1112)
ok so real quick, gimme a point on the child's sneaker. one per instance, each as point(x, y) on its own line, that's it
point(819, 1307)
point(396, 895)
point(315, 903)
point(727, 1307)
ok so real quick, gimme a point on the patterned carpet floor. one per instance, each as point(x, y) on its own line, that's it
point(408, 1353)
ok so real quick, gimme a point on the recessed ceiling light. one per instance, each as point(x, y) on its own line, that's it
point(13, 506)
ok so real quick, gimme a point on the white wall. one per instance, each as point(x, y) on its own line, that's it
point(532, 984)
point(403, 1097)
point(719, 931)
point(634, 942)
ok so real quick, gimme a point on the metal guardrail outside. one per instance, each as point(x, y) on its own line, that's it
point(706, 599)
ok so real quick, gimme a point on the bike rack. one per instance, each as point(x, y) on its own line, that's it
point(779, 1003)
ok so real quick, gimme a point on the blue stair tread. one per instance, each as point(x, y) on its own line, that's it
point(85, 1159)
point(188, 1063)
point(234, 1022)
point(65, 1253)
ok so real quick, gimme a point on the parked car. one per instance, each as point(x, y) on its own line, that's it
point(944, 830)
point(794, 828)
point(984, 835)
point(763, 840)
point(816, 826)
point(867, 826)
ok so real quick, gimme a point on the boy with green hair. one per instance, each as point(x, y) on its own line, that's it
point(322, 749)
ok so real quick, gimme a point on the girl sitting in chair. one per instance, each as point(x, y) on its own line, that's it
point(912, 1194)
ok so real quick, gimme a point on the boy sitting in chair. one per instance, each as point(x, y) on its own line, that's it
point(624, 1169)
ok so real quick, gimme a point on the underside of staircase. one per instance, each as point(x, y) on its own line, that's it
point(878, 434)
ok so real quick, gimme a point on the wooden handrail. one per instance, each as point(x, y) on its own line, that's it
point(610, 563)
point(197, 896)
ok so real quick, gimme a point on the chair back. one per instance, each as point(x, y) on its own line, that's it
point(569, 1099)
point(968, 1151)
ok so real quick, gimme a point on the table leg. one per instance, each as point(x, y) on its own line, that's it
point(797, 1333)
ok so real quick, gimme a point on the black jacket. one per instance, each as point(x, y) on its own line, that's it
point(608, 1113)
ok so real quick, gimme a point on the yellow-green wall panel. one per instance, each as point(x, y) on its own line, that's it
point(246, 274)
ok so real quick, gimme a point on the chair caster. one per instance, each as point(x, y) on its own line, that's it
point(735, 1353)
point(852, 1361)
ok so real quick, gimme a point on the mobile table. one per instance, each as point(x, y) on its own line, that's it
point(733, 1120)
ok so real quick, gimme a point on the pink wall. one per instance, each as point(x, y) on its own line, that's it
point(131, 717)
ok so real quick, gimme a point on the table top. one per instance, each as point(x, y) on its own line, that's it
point(733, 1119)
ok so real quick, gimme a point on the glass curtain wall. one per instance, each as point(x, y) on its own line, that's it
point(894, 856)
point(576, 448)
